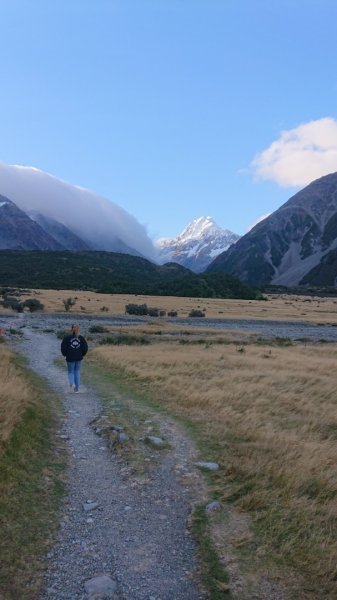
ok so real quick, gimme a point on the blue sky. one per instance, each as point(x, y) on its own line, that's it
point(162, 105)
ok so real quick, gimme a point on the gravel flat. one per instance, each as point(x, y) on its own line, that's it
point(138, 533)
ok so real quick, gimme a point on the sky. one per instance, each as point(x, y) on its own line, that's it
point(173, 109)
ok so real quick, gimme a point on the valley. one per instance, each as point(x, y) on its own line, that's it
point(272, 393)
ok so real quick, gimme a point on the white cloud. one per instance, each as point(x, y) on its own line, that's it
point(93, 218)
point(299, 155)
point(258, 220)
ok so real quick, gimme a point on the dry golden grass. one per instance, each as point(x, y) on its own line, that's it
point(15, 394)
point(269, 416)
point(279, 307)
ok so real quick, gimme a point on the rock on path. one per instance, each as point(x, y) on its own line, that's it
point(137, 534)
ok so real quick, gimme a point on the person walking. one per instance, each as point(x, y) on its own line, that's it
point(74, 347)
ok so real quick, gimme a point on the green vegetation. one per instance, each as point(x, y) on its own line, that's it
point(31, 487)
point(97, 329)
point(127, 340)
point(213, 573)
point(196, 313)
point(144, 309)
point(69, 303)
point(110, 272)
point(10, 299)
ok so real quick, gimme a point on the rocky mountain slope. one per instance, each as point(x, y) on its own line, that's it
point(19, 232)
point(295, 245)
point(197, 245)
point(62, 234)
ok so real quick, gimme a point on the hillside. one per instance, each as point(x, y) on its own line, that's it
point(295, 245)
point(110, 272)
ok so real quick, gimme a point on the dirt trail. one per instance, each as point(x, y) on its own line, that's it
point(137, 534)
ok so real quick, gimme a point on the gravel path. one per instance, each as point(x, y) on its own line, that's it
point(138, 533)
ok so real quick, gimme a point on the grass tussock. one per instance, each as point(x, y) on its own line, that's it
point(15, 395)
point(30, 479)
point(269, 416)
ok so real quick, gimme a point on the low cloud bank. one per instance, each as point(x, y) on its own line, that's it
point(299, 155)
point(91, 217)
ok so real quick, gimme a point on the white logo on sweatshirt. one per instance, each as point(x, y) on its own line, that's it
point(75, 343)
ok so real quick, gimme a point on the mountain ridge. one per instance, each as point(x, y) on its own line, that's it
point(19, 232)
point(286, 246)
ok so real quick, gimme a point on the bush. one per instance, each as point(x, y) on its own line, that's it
point(62, 333)
point(129, 340)
point(136, 309)
point(97, 329)
point(69, 303)
point(10, 302)
point(143, 309)
point(33, 304)
point(104, 309)
point(172, 313)
point(196, 313)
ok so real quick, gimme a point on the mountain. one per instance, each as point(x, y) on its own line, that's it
point(62, 234)
point(197, 245)
point(98, 222)
point(110, 272)
point(295, 245)
point(19, 232)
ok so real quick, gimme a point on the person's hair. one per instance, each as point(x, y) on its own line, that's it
point(75, 329)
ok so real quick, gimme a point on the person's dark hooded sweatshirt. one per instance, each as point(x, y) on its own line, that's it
point(74, 348)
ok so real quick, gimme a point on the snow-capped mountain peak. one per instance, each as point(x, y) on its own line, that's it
point(198, 228)
point(197, 245)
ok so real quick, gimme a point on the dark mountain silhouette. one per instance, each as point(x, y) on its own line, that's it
point(296, 245)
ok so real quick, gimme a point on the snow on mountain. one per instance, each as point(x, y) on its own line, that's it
point(197, 245)
point(100, 223)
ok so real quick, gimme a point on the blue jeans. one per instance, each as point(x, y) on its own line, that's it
point(74, 373)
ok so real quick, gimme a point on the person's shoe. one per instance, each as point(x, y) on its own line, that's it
point(76, 390)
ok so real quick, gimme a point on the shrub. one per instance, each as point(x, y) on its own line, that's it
point(69, 303)
point(129, 340)
point(97, 329)
point(33, 304)
point(62, 333)
point(104, 309)
point(196, 313)
point(143, 309)
point(136, 309)
point(172, 313)
point(10, 302)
